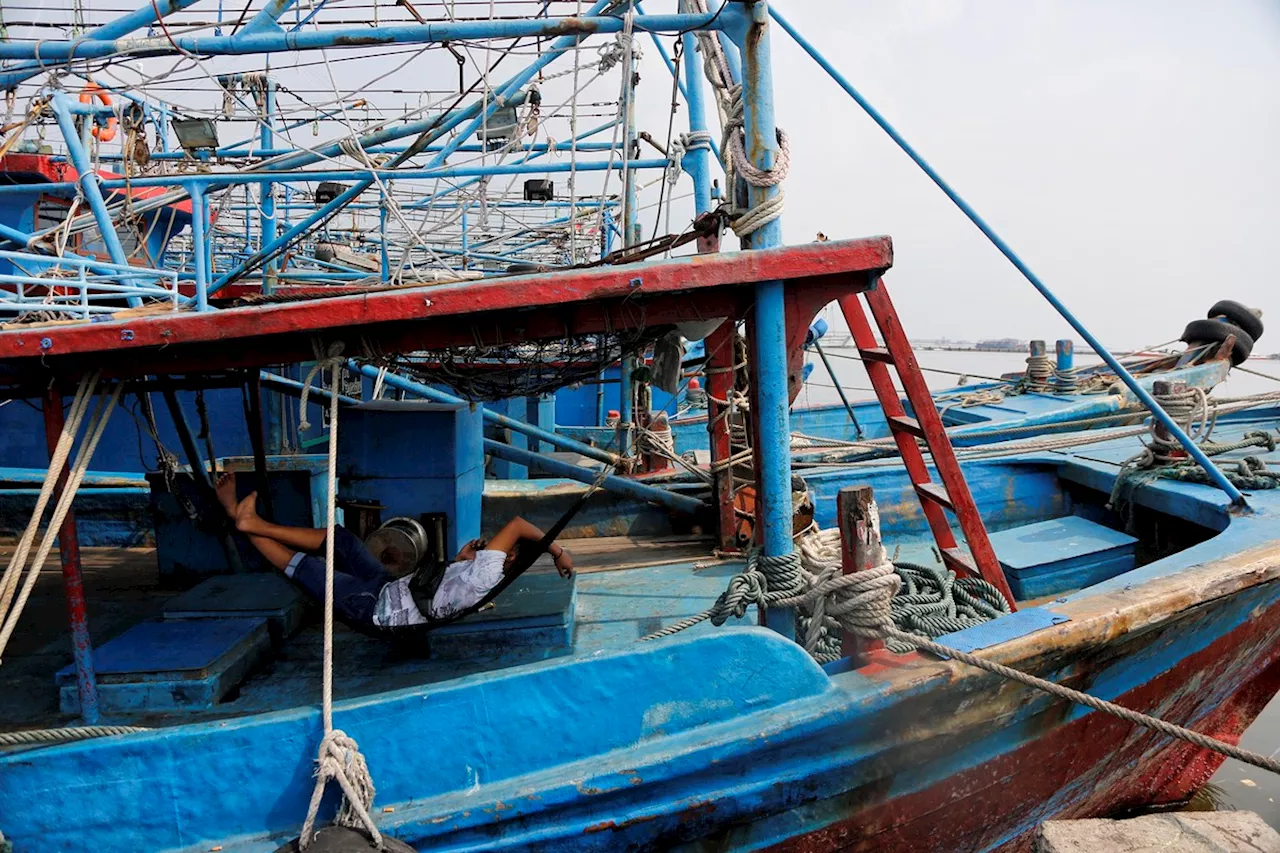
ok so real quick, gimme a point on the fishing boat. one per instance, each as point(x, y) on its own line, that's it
point(920, 623)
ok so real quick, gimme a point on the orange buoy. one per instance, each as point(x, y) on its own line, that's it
point(101, 133)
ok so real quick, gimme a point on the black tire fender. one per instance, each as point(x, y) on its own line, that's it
point(1239, 314)
point(1217, 331)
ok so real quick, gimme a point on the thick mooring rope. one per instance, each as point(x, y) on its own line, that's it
point(1256, 759)
point(39, 737)
point(338, 757)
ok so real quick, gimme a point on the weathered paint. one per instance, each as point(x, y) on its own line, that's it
point(729, 738)
point(86, 685)
point(536, 306)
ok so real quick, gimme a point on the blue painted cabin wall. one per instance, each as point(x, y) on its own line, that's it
point(415, 458)
point(576, 405)
point(126, 445)
point(1009, 493)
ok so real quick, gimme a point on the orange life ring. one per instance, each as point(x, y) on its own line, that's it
point(100, 133)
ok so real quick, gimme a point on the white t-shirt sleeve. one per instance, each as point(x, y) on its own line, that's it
point(466, 582)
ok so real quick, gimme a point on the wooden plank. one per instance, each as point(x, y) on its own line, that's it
point(860, 549)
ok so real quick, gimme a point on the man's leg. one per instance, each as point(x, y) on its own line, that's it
point(251, 524)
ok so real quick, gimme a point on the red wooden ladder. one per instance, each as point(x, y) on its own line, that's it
point(935, 498)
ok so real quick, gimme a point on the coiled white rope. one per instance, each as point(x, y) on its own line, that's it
point(338, 757)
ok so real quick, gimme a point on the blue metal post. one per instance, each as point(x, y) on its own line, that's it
point(267, 192)
point(697, 162)
point(89, 184)
point(1065, 348)
point(630, 215)
point(465, 237)
point(384, 256)
point(750, 29)
point(1112, 362)
point(625, 397)
point(199, 249)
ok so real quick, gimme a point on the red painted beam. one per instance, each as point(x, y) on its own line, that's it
point(540, 306)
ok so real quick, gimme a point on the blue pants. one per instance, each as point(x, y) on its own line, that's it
point(358, 577)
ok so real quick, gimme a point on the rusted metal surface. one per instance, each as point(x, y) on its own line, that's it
point(1071, 765)
point(719, 373)
point(72, 577)
point(532, 307)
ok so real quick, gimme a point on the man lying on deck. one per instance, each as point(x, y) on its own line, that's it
point(364, 592)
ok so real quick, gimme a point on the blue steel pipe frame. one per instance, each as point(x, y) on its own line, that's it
point(1214, 472)
point(200, 258)
point(484, 110)
point(54, 52)
point(697, 161)
point(89, 184)
point(748, 26)
point(144, 16)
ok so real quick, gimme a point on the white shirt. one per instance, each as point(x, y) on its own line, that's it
point(464, 583)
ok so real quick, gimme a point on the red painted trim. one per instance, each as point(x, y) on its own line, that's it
point(944, 457)
point(547, 305)
point(43, 168)
point(1095, 765)
point(720, 357)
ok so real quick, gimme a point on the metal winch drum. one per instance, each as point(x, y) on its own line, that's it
point(400, 545)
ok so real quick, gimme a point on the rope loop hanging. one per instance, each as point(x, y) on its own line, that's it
point(324, 360)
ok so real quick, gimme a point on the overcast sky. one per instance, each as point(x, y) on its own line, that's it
point(1127, 150)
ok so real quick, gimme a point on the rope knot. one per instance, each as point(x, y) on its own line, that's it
point(339, 759)
point(327, 359)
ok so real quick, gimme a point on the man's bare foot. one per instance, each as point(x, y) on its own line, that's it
point(225, 489)
point(246, 513)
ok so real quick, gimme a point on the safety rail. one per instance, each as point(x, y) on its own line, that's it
point(93, 290)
